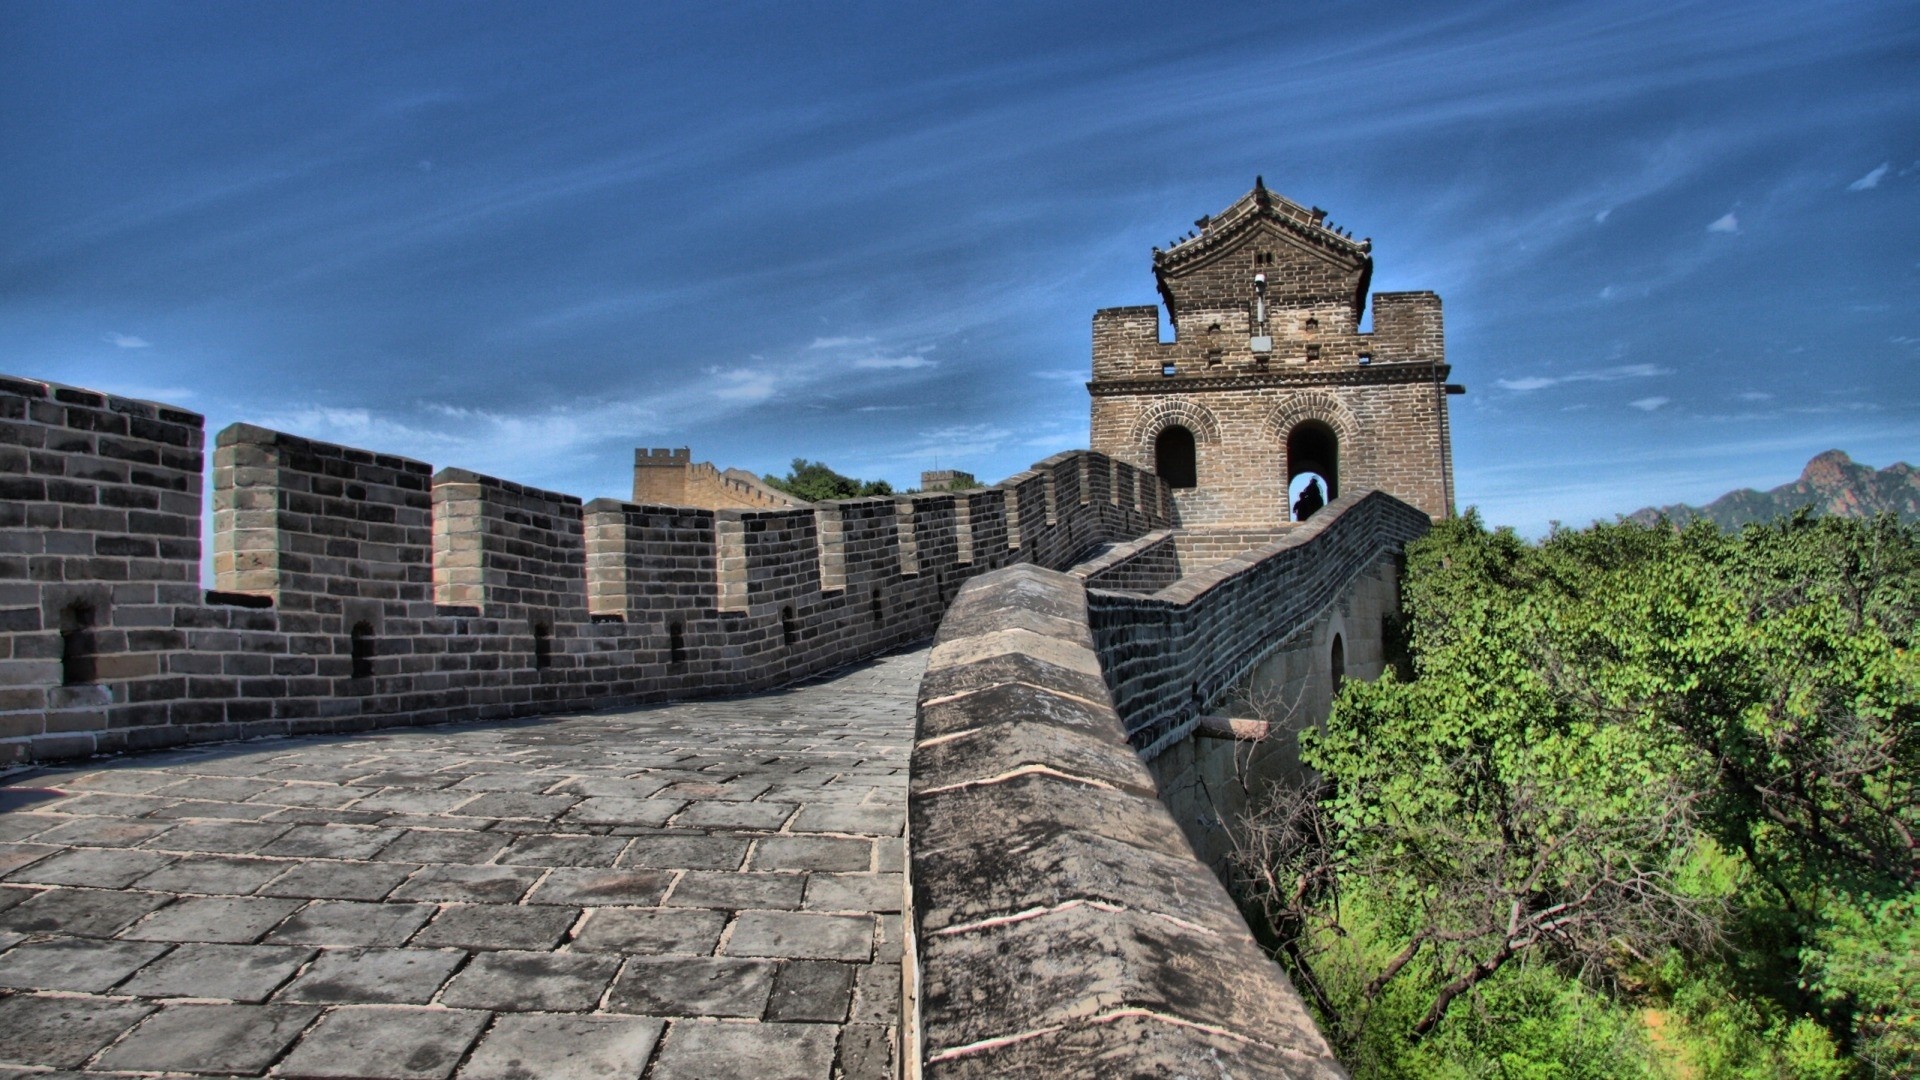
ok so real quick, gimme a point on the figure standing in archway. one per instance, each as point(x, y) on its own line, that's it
point(1310, 501)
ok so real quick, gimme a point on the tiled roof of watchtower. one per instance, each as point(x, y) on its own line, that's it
point(1219, 230)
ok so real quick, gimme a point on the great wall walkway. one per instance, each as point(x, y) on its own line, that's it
point(701, 890)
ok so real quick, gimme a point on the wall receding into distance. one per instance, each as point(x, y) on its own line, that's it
point(355, 589)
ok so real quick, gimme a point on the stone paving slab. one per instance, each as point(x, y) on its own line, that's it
point(710, 889)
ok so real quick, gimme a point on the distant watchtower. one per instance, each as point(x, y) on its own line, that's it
point(1269, 376)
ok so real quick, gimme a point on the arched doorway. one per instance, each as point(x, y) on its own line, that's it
point(1173, 457)
point(1313, 452)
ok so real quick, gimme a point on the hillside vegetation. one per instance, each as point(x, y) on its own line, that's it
point(1638, 802)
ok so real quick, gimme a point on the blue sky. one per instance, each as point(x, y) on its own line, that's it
point(1678, 244)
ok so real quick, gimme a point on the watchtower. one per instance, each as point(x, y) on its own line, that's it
point(1269, 377)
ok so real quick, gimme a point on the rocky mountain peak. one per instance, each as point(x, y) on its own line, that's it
point(1832, 483)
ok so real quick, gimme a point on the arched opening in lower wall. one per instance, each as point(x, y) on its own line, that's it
point(1313, 459)
point(1174, 457)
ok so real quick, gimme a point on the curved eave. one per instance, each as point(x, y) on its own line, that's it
point(1225, 231)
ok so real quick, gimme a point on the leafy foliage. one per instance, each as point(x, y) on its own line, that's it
point(814, 481)
point(1633, 764)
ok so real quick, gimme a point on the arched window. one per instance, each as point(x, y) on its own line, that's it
point(78, 653)
point(1173, 457)
point(360, 650)
point(1337, 662)
point(542, 646)
point(1312, 448)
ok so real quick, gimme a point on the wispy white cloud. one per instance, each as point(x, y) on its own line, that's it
point(541, 445)
point(894, 363)
point(127, 341)
point(1725, 223)
point(1754, 395)
point(1601, 217)
point(1649, 404)
point(1065, 375)
point(363, 429)
point(744, 384)
point(1612, 374)
point(954, 443)
point(1872, 179)
point(839, 342)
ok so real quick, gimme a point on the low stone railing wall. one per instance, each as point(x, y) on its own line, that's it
point(1170, 655)
point(1201, 547)
point(1061, 925)
point(1148, 564)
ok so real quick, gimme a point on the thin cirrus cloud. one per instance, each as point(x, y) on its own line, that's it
point(1530, 383)
point(532, 445)
point(1872, 179)
point(744, 385)
point(572, 278)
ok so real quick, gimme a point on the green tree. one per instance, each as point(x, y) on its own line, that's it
point(1621, 744)
point(814, 481)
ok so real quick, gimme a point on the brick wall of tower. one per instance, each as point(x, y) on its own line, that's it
point(1402, 449)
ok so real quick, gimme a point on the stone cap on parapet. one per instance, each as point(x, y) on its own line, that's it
point(608, 504)
point(1060, 923)
point(455, 475)
point(99, 399)
point(253, 435)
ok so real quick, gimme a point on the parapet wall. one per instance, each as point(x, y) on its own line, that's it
point(1062, 923)
point(355, 589)
point(1169, 655)
point(1145, 565)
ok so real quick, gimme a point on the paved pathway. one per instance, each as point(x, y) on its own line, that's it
point(709, 890)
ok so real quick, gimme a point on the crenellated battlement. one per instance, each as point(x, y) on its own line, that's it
point(355, 589)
